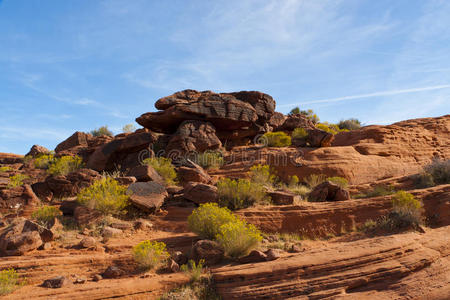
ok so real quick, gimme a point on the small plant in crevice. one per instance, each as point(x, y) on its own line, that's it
point(44, 215)
point(17, 180)
point(150, 254)
point(210, 159)
point(164, 167)
point(194, 270)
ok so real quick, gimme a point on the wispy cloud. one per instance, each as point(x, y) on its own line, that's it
point(371, 95)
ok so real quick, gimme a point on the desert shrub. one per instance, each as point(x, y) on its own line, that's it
point(105, 195)
point(423, 180)
point(299, 133)
point(149, 254)
point(295, 187)
point(164, 168)
point(277, 139)
point(314, 180)
point(379, 190)
point(238, 238)
point(17, 180)
point(295, 111)
point(5, 169)
point(64, 165)
point(439, 170)
point(193, 270)
point(331, 128)
point(207, 219)
point(9, 281)
point(308, 113)
point(210, 159)
point(102, 131)
point(340, 181)
point(262, 174)
point(406, 213)
point(128, 128)
point(201, 290)
point(240, 193)
point(43, 161)
point(349, 124)
point(368, 225)
point(45, 214)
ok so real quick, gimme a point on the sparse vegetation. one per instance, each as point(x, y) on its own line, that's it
point(9, 281)
point(349, 124)
point(314, 180)
point(64, 165)
point(277, 139)
point(105, 195)
point(193, 270)
point(206, 220)
point(5, 169)
point(43, 161)
point(238, 238)
point(379, 190)
point(210, 159)
point(331, 128)
point(295, 187)
point(423, 180)
point(150, 254)
point(299, 133)
point(45, 214)
point(201, 290)
point(340, 181)
point(102, 131)
point(240, 193)
point(262, 174)
point(17, 180)
point(308, 113)
point(164, 168)
point(128, 128)
point(439, 170)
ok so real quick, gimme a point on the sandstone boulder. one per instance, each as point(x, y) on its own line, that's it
point(56, 282)
point(328, 191)
point(75, 140)
point(148, 196)
point(208, 250)
point(283, 197)
point(200, 192)
point(254, 257)
point(37, 150)
point(145, 173)
point(69, 185)
point(319, 138)
point(21, 198)
point(295, 121)
point(193, 173)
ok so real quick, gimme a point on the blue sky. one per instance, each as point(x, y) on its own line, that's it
point(80, 64)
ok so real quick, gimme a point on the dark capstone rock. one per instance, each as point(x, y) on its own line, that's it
point(200, 192)
point(56, 282)
point(112, 272)
point(328, 191)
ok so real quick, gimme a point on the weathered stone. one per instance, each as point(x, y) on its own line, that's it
point(208, 250)
point(56, 282)
point(142, 224)
point(109, 232)
point(173, 266)
point(148, 196)
point(88, 242)
point(76, 139)
point(254, 257)
point(97, 277)
point(42, 191)
point(174, 189)
point(112, 272)
point(125, 180)
point(20, 198)
point(200, 192)
point(85, 216)
point(319, 138)
point(273, 254)
point(194, 136)
point(194, 173)
point(328, 191)
point(37, 150)
point(70, 185)
point(180, 258)
point(145, 173)
point(283, 197)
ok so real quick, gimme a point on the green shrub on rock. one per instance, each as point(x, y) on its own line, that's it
point(238, 238)
point(17, 180)
point(206, 220)
point(299, 133)
point(45, 214)
point(43, 161)
point(102, 131)
point(277, 139)
point(105, 195)
point(240, 193)
point(149, 254)
point(64, 165)
point(163, 166)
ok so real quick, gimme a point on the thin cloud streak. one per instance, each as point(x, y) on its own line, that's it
point(371, 95)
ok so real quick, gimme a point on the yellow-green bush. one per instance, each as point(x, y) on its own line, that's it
point(277, 139)
point(210, 159)
point(105, 195)
point(299, 133)
point(149, 254)
point(9, 281)
point(45, 214)
point(238, 238)
point(5, 169)
point(207, 219)
point(262, 174)
point(193, 270)
point(43, 161)
point(240, 193)
point(164, 168)
point(17, 180)
point(64, 165)
point(295, 187)
point(328, 128)
point(340, 181)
